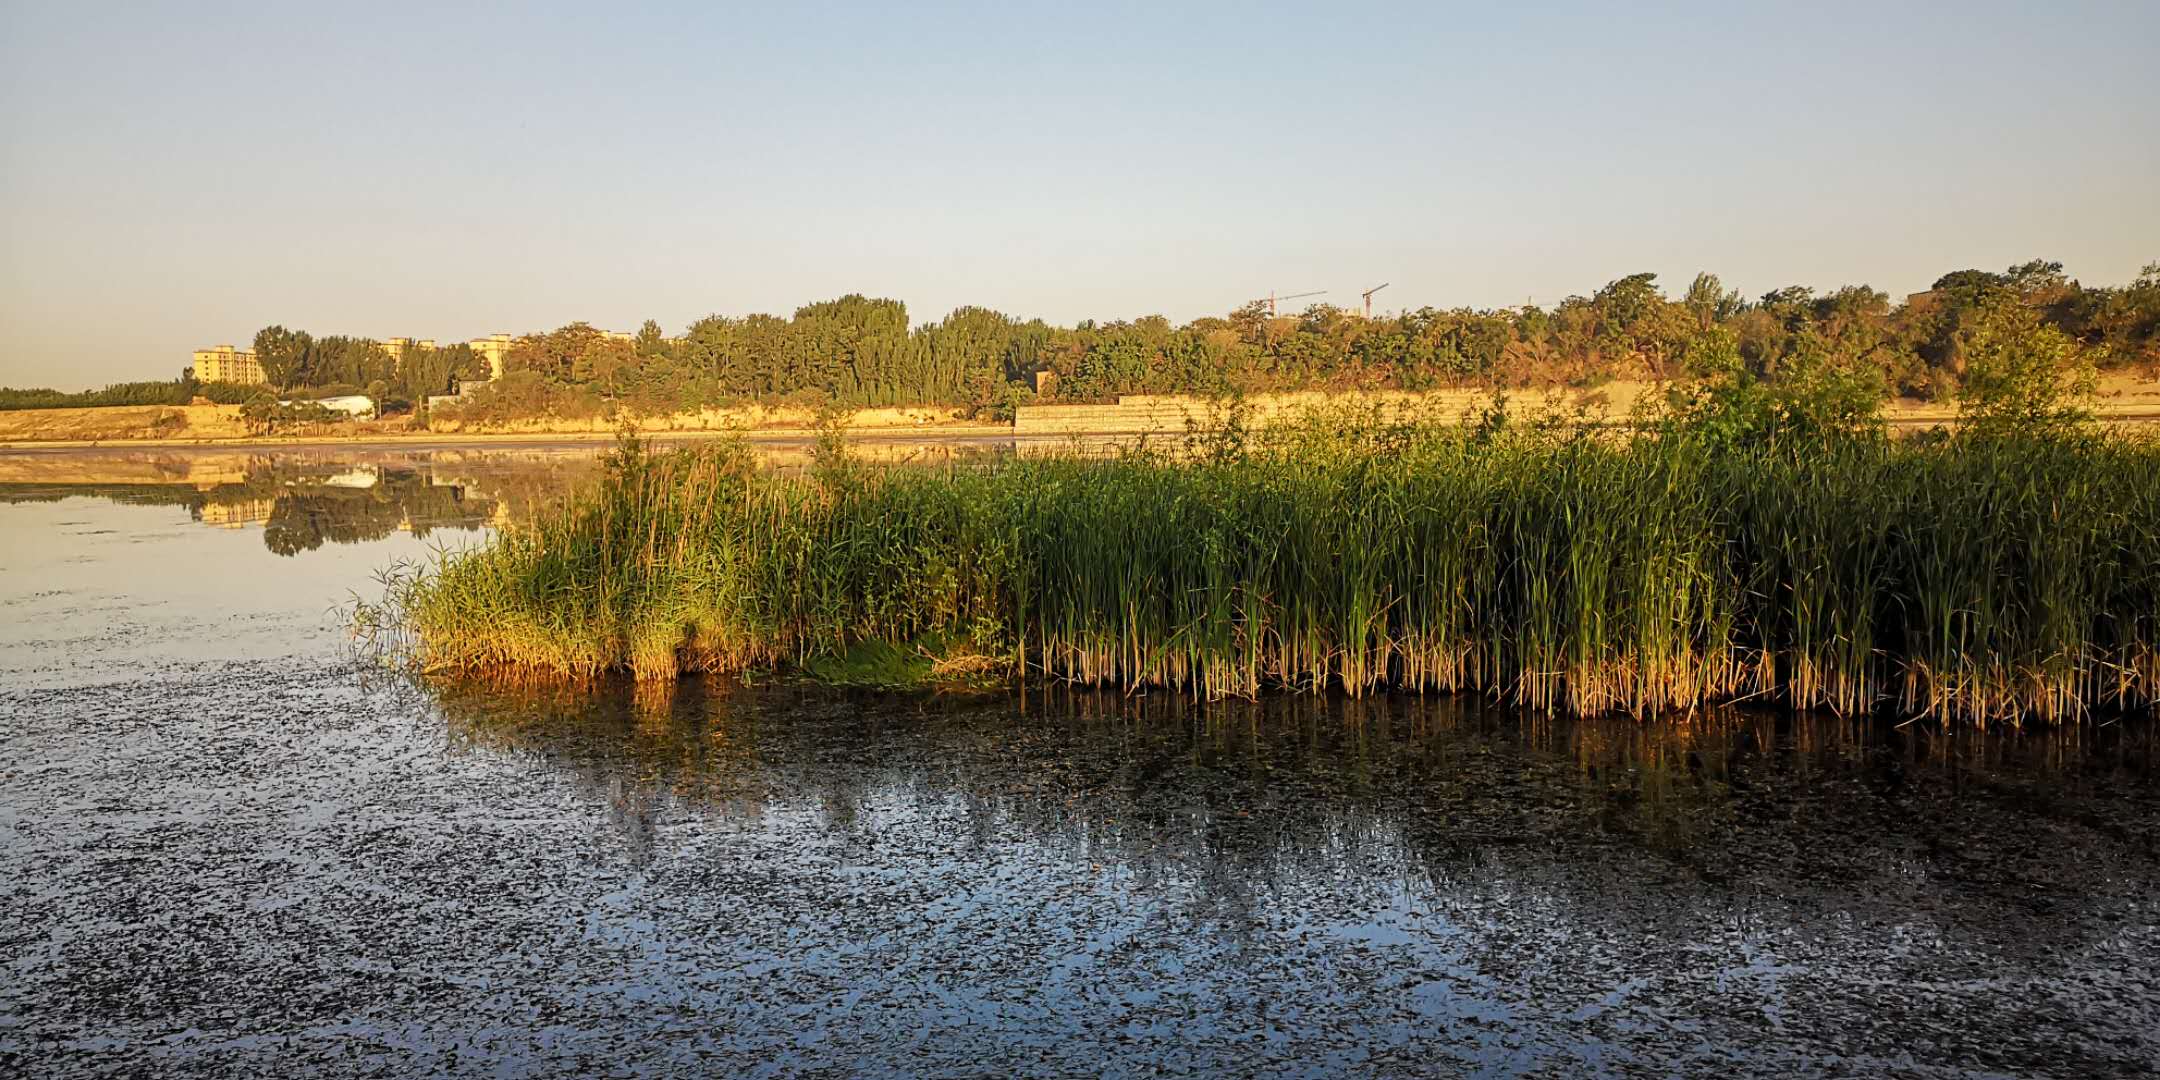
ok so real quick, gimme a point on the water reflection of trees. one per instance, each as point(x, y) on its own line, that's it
point(1251, 801)
point(305, 499)
point(304, 504)
point(304, 517)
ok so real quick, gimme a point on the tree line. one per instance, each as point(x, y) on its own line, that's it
point(178, 391)
point(857, 351)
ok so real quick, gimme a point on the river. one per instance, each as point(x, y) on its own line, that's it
point(229, 848)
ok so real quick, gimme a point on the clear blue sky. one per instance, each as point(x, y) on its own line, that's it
point(181, 174)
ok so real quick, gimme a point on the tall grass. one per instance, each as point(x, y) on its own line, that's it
point(1974, 577)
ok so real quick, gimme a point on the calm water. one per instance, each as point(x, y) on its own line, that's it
point(224, 852)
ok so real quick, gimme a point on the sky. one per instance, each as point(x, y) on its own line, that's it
point(179, 175)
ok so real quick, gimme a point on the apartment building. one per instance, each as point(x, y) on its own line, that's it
point(225, 363)
point(492, 348)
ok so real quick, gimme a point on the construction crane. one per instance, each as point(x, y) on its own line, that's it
point(1367, 294)
point(1272, 298)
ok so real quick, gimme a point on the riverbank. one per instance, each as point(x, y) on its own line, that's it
point(955, 435)
point(219, 426)
point(2120, 399)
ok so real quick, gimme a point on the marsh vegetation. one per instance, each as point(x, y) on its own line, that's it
point(1741, 545)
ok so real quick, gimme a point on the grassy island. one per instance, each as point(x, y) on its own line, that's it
point(1736, 547)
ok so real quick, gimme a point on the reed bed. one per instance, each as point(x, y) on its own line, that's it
point(1973, 578)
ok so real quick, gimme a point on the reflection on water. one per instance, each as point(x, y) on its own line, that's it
point(1244, 793)
point(305, 497)
point(1424, 883)
point(303, 500)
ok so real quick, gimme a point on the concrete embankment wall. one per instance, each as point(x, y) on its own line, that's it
point(1138, 414)
point(1151, 415)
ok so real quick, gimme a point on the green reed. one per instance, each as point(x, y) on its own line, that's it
point(1974, 577)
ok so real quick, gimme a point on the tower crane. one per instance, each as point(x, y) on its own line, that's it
point(1272, 298)
point(1367, 294)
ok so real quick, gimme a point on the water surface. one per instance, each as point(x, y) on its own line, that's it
point(225, 852)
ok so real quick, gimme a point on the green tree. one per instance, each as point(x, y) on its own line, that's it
point(283, 354)
point(1710, 302)
point(651, 342)
point(2020, 371)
